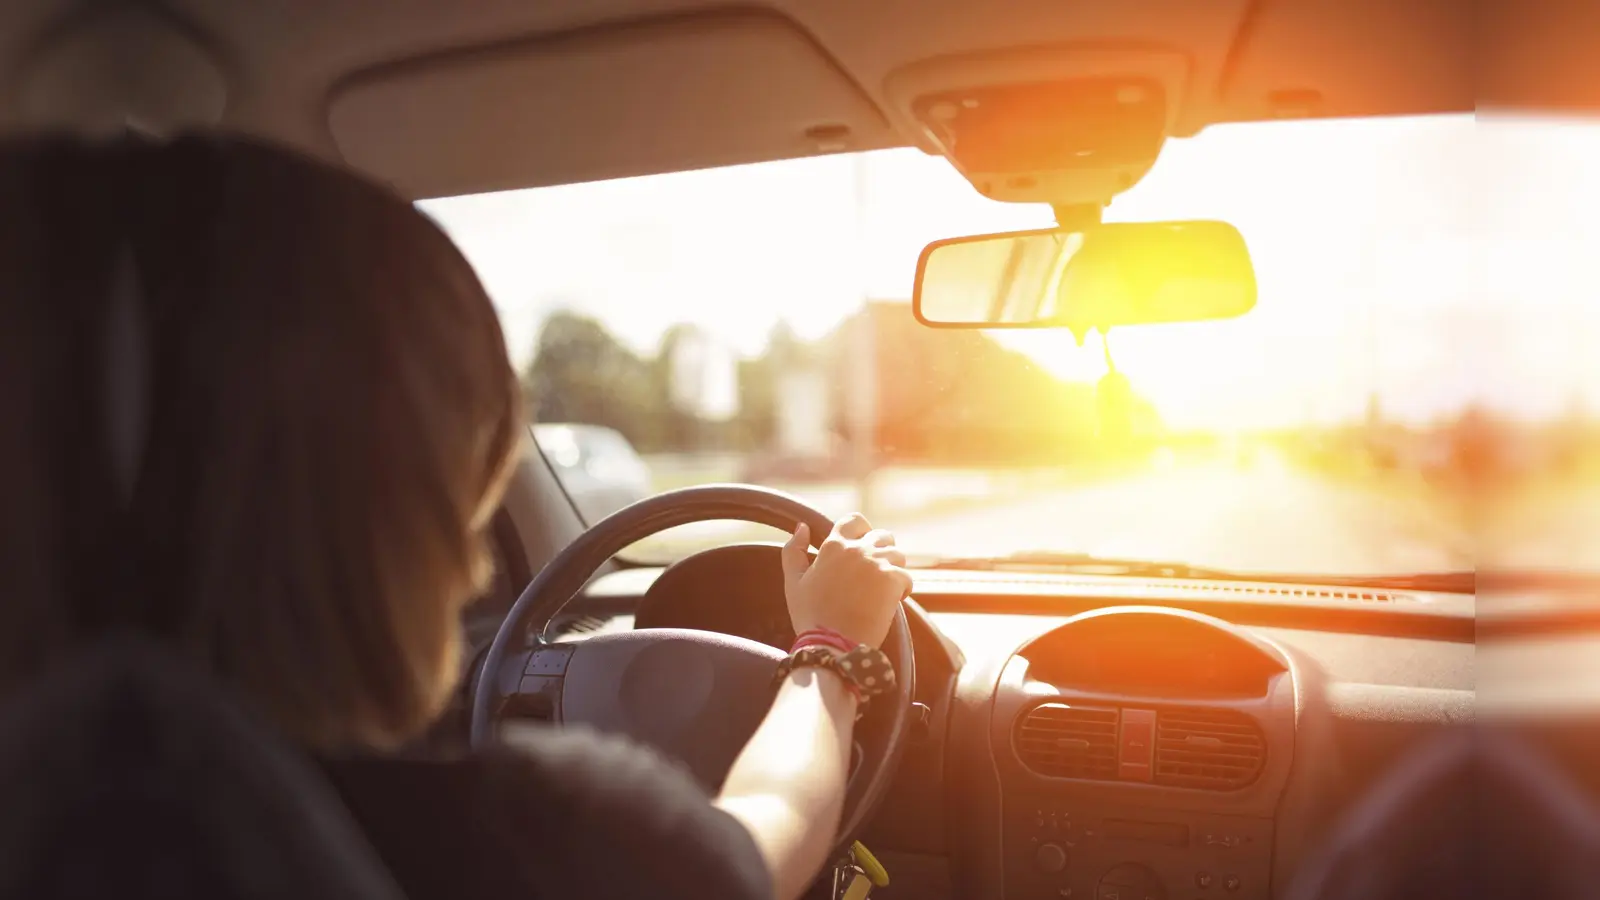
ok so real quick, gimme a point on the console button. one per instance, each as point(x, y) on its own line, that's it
point(1231, 882)
point(1127, 875)
point(1202, 880)
point(1136, 745)
point(1125, 892)
point(1130, 881)
point(550, 660)
point(1050, 858)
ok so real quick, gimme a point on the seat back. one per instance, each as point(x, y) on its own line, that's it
point(1474, 813)
point(126, 774)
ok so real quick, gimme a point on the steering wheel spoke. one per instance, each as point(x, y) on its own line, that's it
point(531, 683)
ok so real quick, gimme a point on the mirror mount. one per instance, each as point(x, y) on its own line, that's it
point(1078, 216)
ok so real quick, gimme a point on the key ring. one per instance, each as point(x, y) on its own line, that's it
point(857, 874)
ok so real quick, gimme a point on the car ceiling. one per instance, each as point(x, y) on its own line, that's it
point(443, 97)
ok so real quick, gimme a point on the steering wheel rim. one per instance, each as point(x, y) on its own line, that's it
point(510, 669)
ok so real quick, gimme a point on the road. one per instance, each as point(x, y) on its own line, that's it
point(1266, 517)
point(1553, 526)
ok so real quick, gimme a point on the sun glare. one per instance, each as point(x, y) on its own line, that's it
point(1347, 375)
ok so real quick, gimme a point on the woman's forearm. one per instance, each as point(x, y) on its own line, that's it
point(787, 786)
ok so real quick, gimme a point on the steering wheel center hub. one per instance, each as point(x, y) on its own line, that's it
point(667, 690)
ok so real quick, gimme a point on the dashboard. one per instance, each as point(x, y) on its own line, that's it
point(1140, 750)
point(1112, 738)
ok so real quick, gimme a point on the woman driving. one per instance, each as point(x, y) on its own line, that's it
point(326, 420)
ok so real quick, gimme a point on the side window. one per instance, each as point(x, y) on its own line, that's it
point(560, 444)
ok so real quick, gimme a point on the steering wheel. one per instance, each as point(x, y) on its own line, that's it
point(696, 696)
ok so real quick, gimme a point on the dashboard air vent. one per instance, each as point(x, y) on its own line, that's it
point(580, 624)
point(1217, 750)
point(1069, 741)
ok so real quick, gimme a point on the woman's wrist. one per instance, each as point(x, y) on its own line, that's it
point(829, 640)
point(864, 669)
point(824, 637)
point(832, 675)
point(833, 686)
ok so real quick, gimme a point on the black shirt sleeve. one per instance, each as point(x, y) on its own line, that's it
point(634, 824)
point(552, 813)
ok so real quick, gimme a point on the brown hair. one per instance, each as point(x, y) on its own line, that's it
point(42, 220)
point(330, 417)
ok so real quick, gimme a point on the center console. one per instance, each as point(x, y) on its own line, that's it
point(1062, 847)
point(1141, 755)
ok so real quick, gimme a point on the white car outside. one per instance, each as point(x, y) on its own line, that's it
point(599, 468)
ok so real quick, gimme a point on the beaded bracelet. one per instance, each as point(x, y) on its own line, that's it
point(866, 670)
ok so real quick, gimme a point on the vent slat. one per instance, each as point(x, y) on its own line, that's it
point(1211, 727)
point(1201, 749)
point(1218, 750)
point(1090, 732)
point(1069, 741)
point(1247, 755)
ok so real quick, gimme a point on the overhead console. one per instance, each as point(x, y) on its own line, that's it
point(1070, 127)
point(1141, 753)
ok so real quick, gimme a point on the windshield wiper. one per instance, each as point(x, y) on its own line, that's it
point(1045, 560)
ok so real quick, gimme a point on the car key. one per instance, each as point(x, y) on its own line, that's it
point(857, 874)
point(856, 884)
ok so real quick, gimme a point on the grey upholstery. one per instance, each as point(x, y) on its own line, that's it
point(124, 774)
point(1474, 813)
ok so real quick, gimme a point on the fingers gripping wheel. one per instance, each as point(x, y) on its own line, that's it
point(694, 695)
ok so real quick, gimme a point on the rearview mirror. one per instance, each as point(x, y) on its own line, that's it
point(1118, 274)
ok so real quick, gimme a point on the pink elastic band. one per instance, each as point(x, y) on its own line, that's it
point(825, 637)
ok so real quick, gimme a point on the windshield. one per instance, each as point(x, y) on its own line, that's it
point(751, 324)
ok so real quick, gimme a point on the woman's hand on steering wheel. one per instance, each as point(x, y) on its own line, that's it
point(854, 586)
point(698, 697)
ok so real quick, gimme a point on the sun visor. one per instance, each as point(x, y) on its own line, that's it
point(1541, 58)
point(684, 93)
point(1355, 58)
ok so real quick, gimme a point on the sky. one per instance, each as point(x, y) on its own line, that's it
point(1395, 257)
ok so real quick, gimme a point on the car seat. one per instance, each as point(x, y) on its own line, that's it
point(1474, 813)
point(126, 774)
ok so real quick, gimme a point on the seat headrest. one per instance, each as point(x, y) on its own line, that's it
point(127, 774)
point(1473, 813)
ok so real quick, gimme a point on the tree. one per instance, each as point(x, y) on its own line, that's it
point(947, 396)
point(678, 430)
point(958, 397)
point(581, 373)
